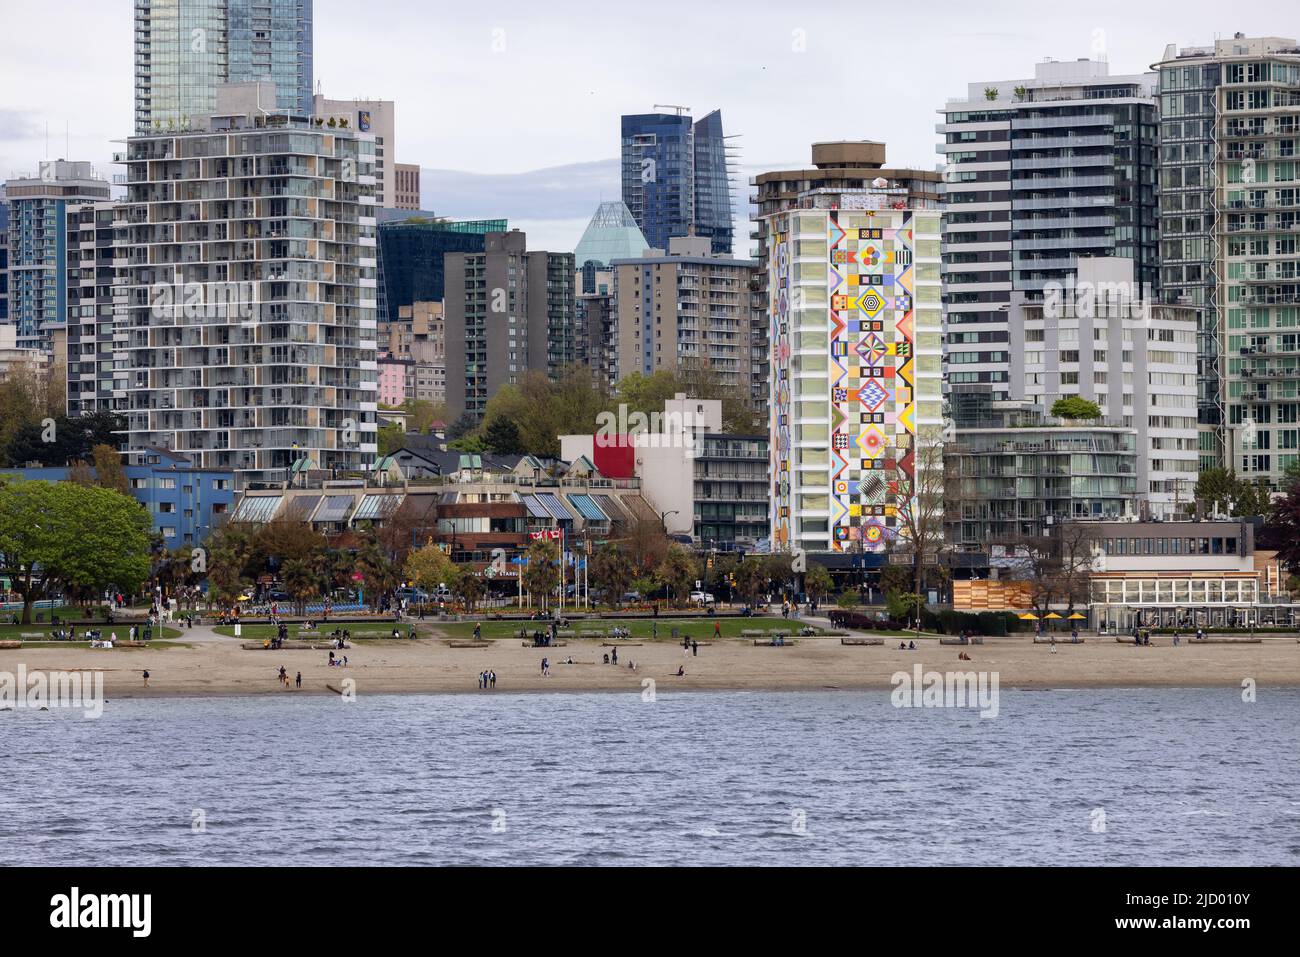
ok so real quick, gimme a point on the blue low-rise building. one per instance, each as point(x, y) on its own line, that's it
point(185, 503)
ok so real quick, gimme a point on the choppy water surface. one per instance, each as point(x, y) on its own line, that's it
point(1173, 776)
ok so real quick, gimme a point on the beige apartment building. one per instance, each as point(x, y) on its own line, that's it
point(684, 307)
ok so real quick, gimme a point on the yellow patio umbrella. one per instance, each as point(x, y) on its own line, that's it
point(1052, 615)
point(1029, 616)
point(1078, 617)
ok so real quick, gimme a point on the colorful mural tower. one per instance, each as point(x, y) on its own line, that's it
point(856, 329)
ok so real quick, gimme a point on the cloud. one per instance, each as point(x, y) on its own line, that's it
point(19, 126)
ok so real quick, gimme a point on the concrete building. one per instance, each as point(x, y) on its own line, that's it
point(185, 49)
point(1101, 337)
point(1040, 172)
point(94, 336)
point(4, 258)
point(38, 244)
point(417, 339)
point(676, 180)
point(1228, 208)
point(699, 481)
point(597, 340)
point(1013, 473)
point(185, 502)
point(248, 295)
point(687, 308)
point(856, 407)
point(509, 310)
point(377, 117)
point(837, 167)
point(406, 186)
point(13, 358)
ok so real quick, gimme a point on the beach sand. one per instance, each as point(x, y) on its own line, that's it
point(219, 666)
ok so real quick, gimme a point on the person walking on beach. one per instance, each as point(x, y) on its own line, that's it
point(717, 629)
point(695, 648)
point(614, 657)
point(297, 682)
point(492, 678)
point(146, 677)
point(546, 668)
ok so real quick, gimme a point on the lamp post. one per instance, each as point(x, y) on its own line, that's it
point(663, 518)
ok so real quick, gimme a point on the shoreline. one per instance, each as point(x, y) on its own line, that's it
point(219, 667)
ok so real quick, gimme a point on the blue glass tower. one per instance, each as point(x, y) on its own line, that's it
point(185, 48)
point(674, 177)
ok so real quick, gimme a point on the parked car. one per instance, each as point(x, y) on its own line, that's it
point(632, 596)
point(701, 598)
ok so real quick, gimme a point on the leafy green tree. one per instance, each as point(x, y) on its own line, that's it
point(428, 567)
point(379, 574)
point(611, 572)
point(501, 436)
point(469, 585)
point(817, 581)
point(109, 471)
point(1075, 407)
point(301, 580)
point(391, 437)
point(678, 571)
point(56, 536)
point(230, 555)
point(752, 580)
point(848, 599)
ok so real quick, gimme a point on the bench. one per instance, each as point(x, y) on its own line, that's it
point(862, 641)
point(591, 634)
point(623, 644)
point(973, 640)
point(771, 643)
point(554, 644)
point(1042, 640)
point(752, 633)
point(31, 634)
point(468, 644)
point(780, 633)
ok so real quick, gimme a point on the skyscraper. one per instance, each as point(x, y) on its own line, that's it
point(856, 407)
point(248, 294)
point(675, 177)
point(184, 49)
point(837, 167)
point(509, 311)
point(38, 245)
point(1229, 200)
point(1040, 172)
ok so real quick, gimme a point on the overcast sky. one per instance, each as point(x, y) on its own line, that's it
point(488, 91)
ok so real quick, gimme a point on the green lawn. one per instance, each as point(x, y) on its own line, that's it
point(16, 632)
point(643, 629)
point(322, 632)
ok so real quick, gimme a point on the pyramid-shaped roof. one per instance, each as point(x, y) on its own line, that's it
point(611, 234)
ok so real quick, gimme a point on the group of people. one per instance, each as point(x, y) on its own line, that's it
point(284, 678)
point(690, 647)
point(907, 646)
point(338, 662)
point(487, 679)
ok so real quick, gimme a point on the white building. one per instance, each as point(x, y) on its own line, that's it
point(1101, 337)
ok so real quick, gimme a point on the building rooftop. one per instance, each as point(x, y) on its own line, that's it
point(611, 234)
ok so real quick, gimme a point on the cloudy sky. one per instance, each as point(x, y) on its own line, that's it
point(513, 108)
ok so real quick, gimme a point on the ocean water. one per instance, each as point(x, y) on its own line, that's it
point(1141, 776)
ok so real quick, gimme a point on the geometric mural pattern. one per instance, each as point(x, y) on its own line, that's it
point(871, 377)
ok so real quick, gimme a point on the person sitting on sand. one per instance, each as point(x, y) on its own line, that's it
point(606, 659)
point(902, 646)
point(681, 671)
point(911, 646)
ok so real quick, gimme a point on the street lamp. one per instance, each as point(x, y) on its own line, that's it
point(663, 518)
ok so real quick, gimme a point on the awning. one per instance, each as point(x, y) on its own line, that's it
point(300, 507)
point(559, 511)
point(535, 508)
point(257, 508)
point(611, 507)
point(378, 507)
point(335, 508)
point(588, 508)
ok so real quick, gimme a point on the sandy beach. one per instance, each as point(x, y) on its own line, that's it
point(214, 665)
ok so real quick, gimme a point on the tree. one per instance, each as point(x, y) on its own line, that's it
point(817, 581)
point(391, 437)
point(1075, 407)
point(1283, 526)
point(919, 504)
point(301, 580)
point(501, 436)
point(109, 472)
point(428, 567)
point(751, 579)
point(469, 585)
point(60, 536)
point(463, 425)
point(1223, 492)
point(611, 572)
point(79, 473)
point(379, 575)
point(541, 574)
point(678, 572)
point(230, 563)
